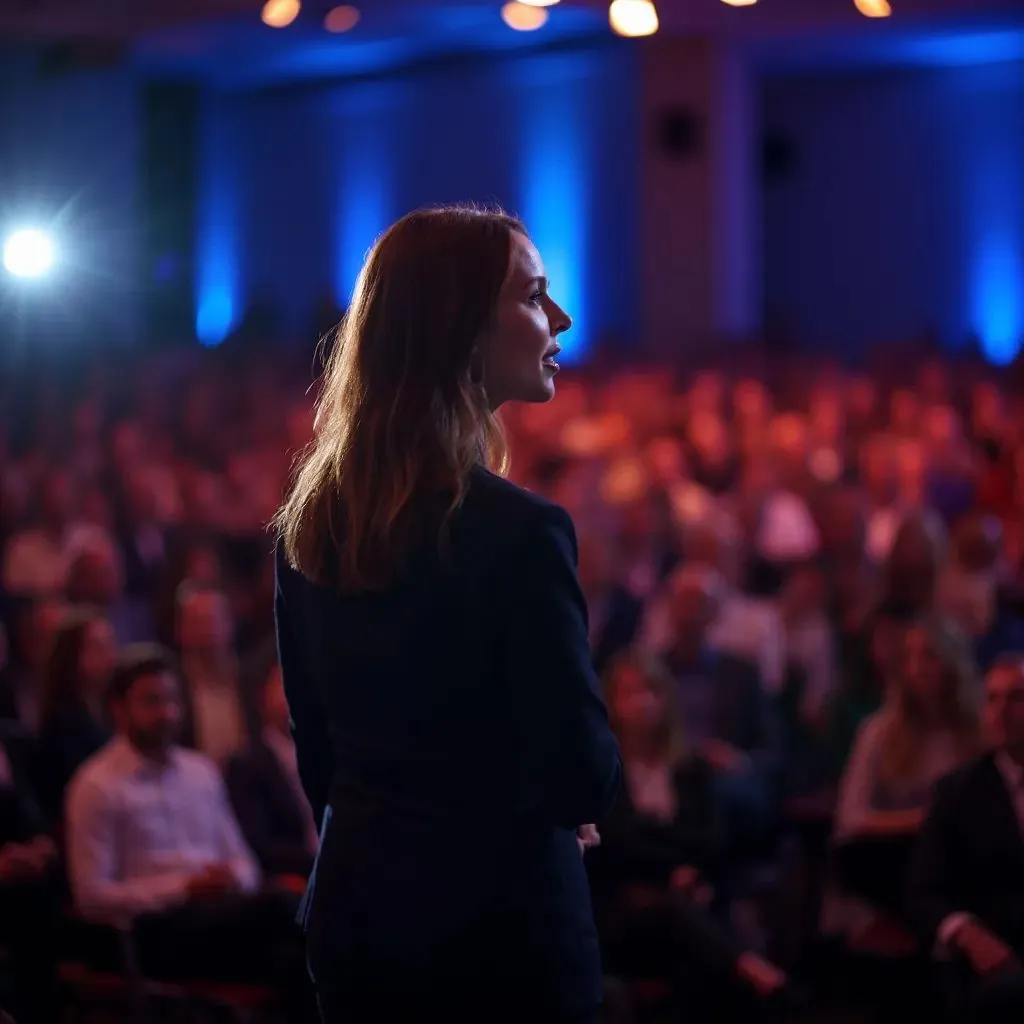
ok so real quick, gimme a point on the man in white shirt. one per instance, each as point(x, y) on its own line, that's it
point(153, 845)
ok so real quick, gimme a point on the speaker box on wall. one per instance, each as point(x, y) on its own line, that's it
point(679, 133)
point(169, 199)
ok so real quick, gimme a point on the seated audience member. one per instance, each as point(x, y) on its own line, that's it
point(657, 842)
point(868, 671)
point(73, 718)
point(218, 714)
point(34, 630)
point(970, 590)
point(267, 795)
point(967, 878)
point(927, 727)
point(730, 720)
point(152, 842)
point(614, 613)
point(96, 578)
point(29, 888)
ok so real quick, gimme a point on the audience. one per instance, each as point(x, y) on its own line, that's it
point(789, 541)
point(73, 716)
point(153, 844)
point(967, 880)
point(927, 727)
point(266, 792)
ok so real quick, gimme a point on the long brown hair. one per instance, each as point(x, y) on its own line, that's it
point(402, 415)
point(959, 703)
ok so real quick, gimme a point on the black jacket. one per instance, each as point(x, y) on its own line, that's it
point(452, 729)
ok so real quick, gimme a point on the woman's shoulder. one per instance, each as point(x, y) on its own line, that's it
point(497, 500)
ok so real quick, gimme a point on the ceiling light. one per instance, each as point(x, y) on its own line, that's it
point(633, 18)
point(523, 17)
point(873, 8)
point(740, 3)
point(279, 13)
point(540, 3)
point(341, 19)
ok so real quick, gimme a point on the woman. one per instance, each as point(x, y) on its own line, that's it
point(450, 733)
point(659, 847)
point(928, 726)
point(73, 722)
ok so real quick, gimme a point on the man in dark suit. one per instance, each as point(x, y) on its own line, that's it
point(266, 792)
point(967, 881)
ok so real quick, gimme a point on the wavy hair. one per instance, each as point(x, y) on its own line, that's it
point(959, 703)
point(402, 414)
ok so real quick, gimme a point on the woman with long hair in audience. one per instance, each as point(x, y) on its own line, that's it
point(928, 725)
point(450, 731)
point(72, 720)
point(660, 854)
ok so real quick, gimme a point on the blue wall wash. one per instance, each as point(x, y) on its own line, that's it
point(910, 217)
point(297, 186)
point(218, 254)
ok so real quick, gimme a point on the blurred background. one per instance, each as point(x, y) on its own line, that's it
point(790, 428)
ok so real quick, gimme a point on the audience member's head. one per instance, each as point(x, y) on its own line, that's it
point(204, 626)
point(642, 709)
point(145, 700)
point(81, 660)
point(915, 561)
point(1004, 705)
point(96, 575)
point(36, 630)
point(694, 595)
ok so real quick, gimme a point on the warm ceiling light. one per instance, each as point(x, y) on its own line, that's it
point(523, 17)
point(279, 13)
point(873, 8)
point(740, 3)
point(633, 18)
point(341, 19)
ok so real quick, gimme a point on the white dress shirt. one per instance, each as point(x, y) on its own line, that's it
point(138, 832)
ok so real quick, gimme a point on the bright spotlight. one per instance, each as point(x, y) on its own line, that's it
point(28, 253)
point(633, 18)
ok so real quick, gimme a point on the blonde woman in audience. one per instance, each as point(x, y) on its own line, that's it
point(928, 726)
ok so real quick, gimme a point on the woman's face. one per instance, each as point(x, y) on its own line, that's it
point(98, 655)
point(520, 353)
point(638, 705)
point(923, 670)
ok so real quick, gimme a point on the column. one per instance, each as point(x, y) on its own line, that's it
point(699, 197)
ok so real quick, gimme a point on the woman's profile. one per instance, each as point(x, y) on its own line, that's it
point(450, 731)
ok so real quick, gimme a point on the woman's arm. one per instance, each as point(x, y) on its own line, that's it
point(308, 717)
point(547, 654)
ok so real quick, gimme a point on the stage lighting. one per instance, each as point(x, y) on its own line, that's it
point(633, 18)
point(28, 253)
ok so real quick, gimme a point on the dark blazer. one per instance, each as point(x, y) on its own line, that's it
point(266, 806)
point(453, 729)
point(970, 856)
